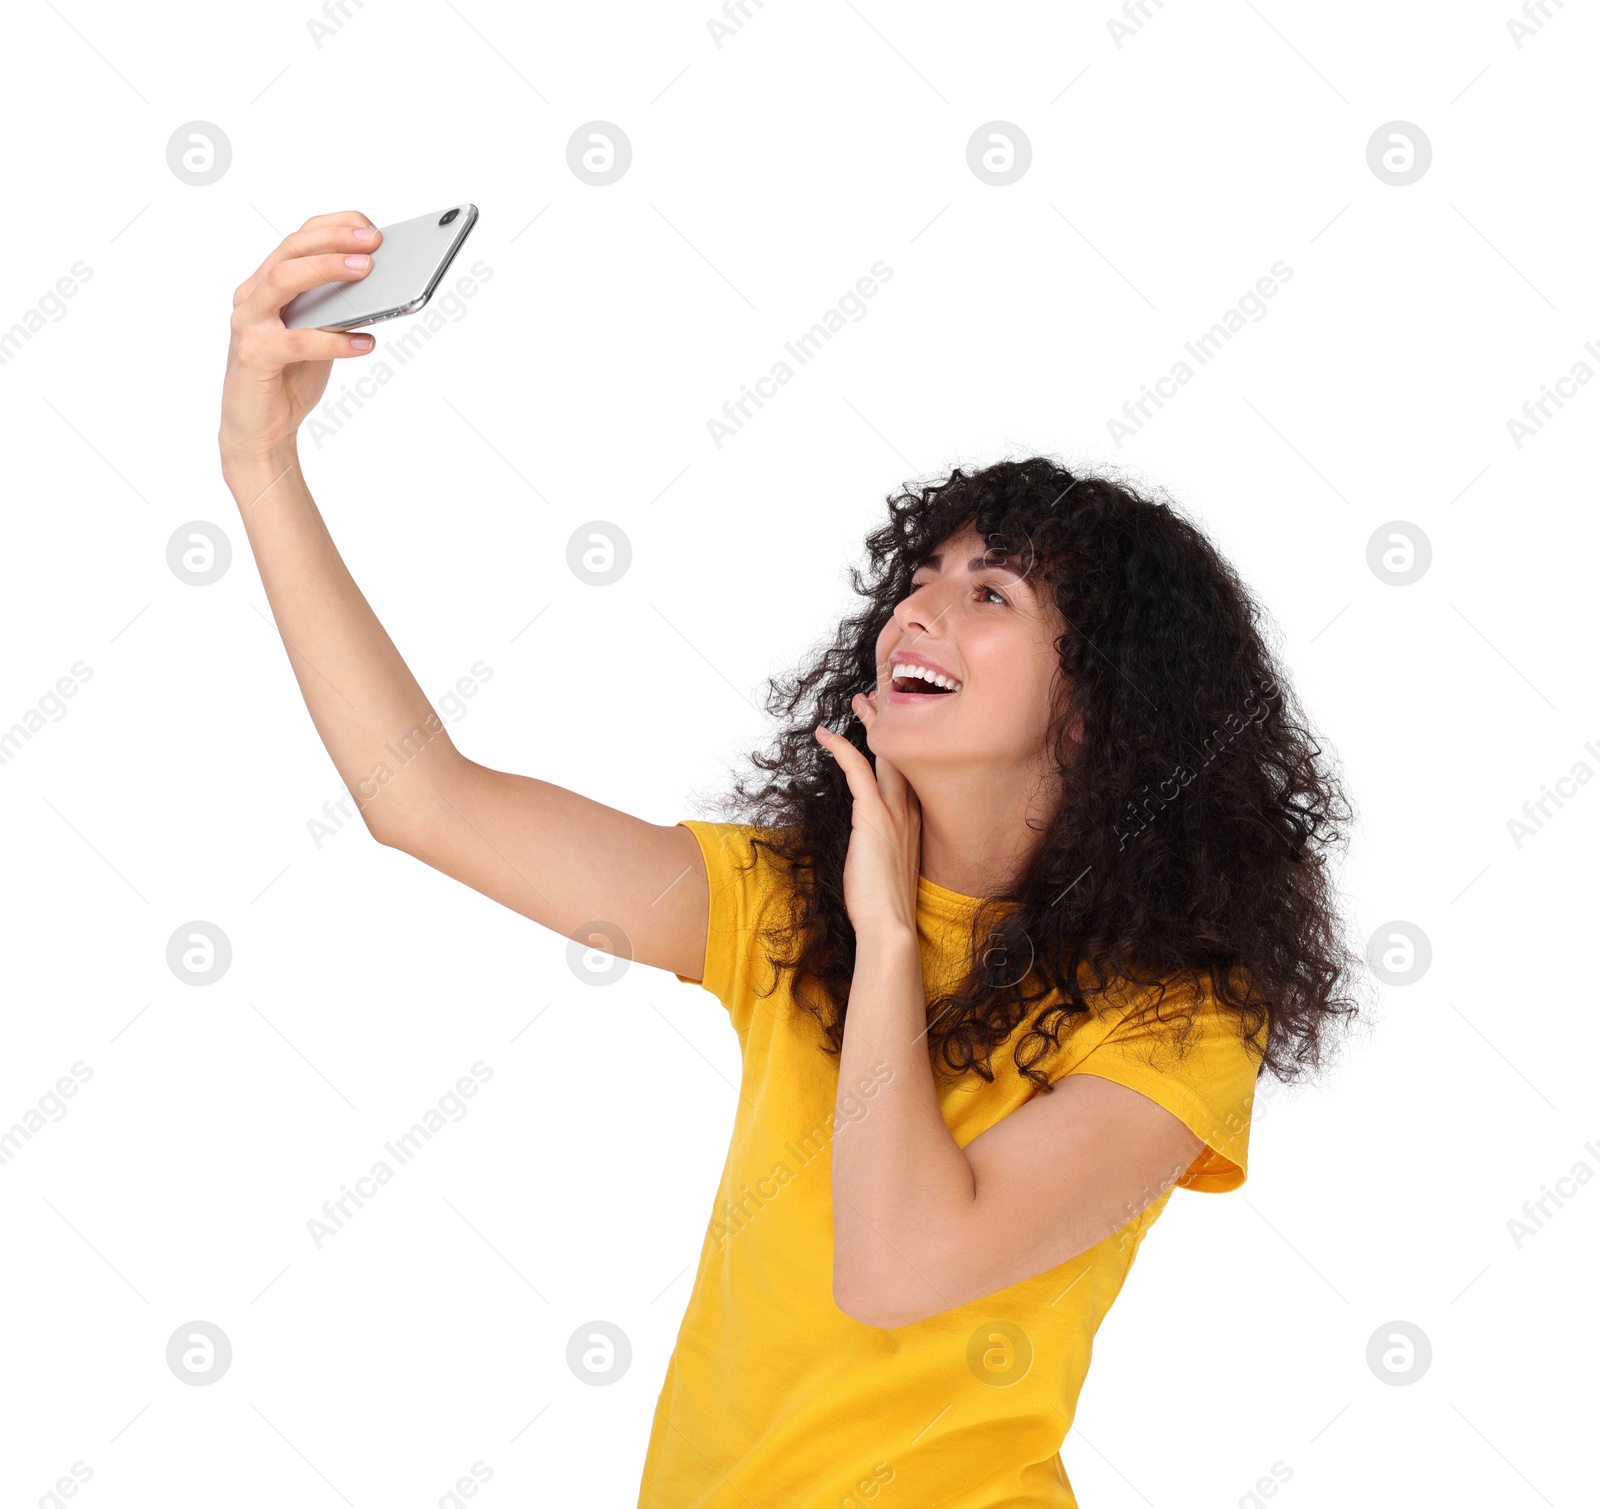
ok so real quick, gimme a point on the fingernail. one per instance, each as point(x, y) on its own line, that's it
point(361, 259)
point(361, 342)
point(365, 233)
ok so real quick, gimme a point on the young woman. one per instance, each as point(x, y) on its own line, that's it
point(1036, 888)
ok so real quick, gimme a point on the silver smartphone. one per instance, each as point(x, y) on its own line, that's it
point(407, 266)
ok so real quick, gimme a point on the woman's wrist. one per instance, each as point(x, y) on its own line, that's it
point(248, 473)
point(887, 936)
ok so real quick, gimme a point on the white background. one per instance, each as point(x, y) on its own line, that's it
point(768, 174)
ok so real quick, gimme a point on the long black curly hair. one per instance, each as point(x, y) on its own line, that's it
point(1191, 842)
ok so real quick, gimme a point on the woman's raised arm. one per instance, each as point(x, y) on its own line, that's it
point(546, 852)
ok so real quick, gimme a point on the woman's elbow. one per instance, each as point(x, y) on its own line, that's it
point(870, 1305)
point(856, 1298)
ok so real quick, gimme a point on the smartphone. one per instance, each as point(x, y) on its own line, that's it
point(407, 266)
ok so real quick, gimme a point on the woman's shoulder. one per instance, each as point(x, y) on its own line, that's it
point(731, 848)
point(1178, 1010)
point(1184, 1043)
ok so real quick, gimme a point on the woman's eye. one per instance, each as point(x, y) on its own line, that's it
point(917, 586)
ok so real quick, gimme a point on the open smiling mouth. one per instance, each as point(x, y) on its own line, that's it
point(918, 681)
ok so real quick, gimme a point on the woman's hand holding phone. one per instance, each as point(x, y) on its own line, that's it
point(276, 376)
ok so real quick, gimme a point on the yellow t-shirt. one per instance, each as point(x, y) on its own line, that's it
point(774, 1398)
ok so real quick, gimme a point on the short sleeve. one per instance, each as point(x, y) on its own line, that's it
point(735, 963)
point(1209, 1086)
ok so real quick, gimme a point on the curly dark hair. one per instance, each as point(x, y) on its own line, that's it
point(1190, 844)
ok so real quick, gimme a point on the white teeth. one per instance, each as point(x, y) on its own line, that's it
point(910, 668)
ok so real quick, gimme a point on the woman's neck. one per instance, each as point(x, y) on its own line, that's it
point(978, 832)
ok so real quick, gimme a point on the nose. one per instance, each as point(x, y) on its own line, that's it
point(919, 613)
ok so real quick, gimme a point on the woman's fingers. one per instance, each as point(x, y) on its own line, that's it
point(321, 233)
point(892, 784)
point(885, 786)
point(866, 708)
point(265, 344)
point(284, 280)
point(857, 770)
point(265, 352)
point(885, 835)
point(277, 349)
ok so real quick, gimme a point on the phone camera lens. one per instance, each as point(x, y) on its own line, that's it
point(448, 216)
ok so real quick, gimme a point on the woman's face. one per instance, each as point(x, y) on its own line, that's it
point(987, 629)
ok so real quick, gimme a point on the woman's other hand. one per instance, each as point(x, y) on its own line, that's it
point(885, 855)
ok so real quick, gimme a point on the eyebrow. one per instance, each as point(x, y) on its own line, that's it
point(978, 563)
